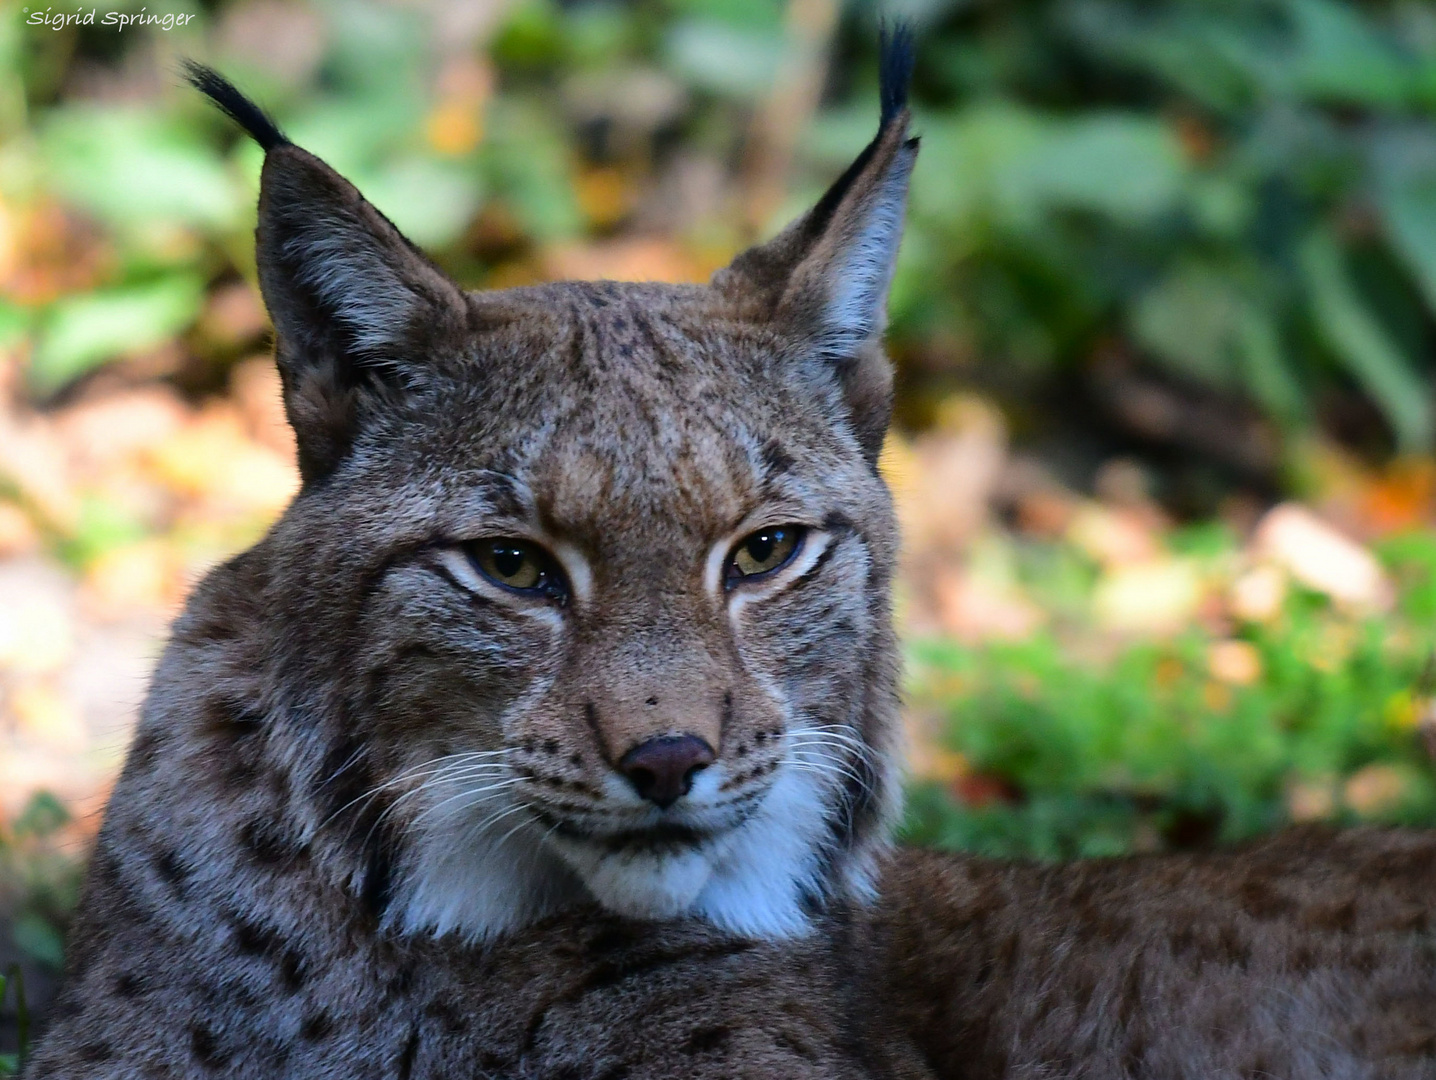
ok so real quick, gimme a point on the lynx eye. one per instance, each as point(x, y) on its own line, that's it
point(517, 565)
point(759, 554)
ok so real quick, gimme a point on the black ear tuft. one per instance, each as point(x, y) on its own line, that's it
point(897, 53)
point(235, 105)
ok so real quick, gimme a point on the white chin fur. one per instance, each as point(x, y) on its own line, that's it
point(751, 882)
point(482, 890)
point(765, 866)
point(640, 885)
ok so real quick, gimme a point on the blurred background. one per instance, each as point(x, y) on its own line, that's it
point(1164, 321)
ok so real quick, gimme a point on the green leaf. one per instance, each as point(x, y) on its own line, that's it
point(81, 332)
point(14, 323)
point(755, 14)
point(1128, 167)
point(133, 168)
point(1017, 166)
point(430, 201)
point(1266, 374)
point(724, 58)
point(1190, 319)
point(1404, 161)
point(1341, 57)
point(1208, 322)
point(43, 815)
point(1179, 47)
point(528, 165)
point(103, 526)
point(1363, 345)
point(531, 35)
point(965, 161)
point(37, 938)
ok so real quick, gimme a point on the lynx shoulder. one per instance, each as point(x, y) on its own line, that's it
point(579, 623)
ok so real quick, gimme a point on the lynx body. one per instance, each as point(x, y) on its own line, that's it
point(579, 623)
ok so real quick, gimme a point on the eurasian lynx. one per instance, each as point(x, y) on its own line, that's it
point(552, 730)
point(584, 601)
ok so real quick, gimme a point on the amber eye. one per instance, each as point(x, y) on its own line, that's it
point(518, 565)
point(763, 552)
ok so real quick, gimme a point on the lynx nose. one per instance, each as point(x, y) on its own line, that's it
point(662, 769)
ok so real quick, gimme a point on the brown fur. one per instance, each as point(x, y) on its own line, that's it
point(1308, 955)
point(374, 822)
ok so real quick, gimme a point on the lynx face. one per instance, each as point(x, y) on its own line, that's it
point(586, 590)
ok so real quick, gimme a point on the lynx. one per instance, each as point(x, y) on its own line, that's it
point(551, 732)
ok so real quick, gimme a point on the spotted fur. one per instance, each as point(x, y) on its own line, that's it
point(1310, 955)
point(373, 820)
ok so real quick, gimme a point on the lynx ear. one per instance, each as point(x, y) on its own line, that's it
point(356, 307)
point(826, 276)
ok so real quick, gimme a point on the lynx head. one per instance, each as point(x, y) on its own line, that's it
point(586, 592)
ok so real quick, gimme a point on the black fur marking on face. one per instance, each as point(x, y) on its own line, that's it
point(620, 971)
point(316, 1026)
point(661, 837)
point(96, 1052)
point(776, 461)
point(172, 871)
point(407, 1055)
point(344, 778)
point(233, 719)
point(669, 359)
point(377, 886)
point(855, 807)
point(254, 939)
point(856, 803)
point(704, 1040)
point(590, 717)
point(206, 1048)
point(267, 845)
point(292, 970)
point(811, 573)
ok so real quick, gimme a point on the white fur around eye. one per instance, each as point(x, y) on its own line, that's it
point(815, 542)
point(456, 561)
point(458, 564)
point(580, 575)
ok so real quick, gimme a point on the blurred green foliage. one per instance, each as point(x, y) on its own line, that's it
point(1148, 748)
point(1241, 192)
point(39, 880)
point(10, 1064)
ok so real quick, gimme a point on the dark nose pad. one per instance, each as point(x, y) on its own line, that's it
point(661, 770)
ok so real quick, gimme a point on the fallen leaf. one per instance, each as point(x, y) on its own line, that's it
point(1150, 597)
point(1234, 662)
point(1321, 558)
point(1375, 790)
point(1258, 594)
